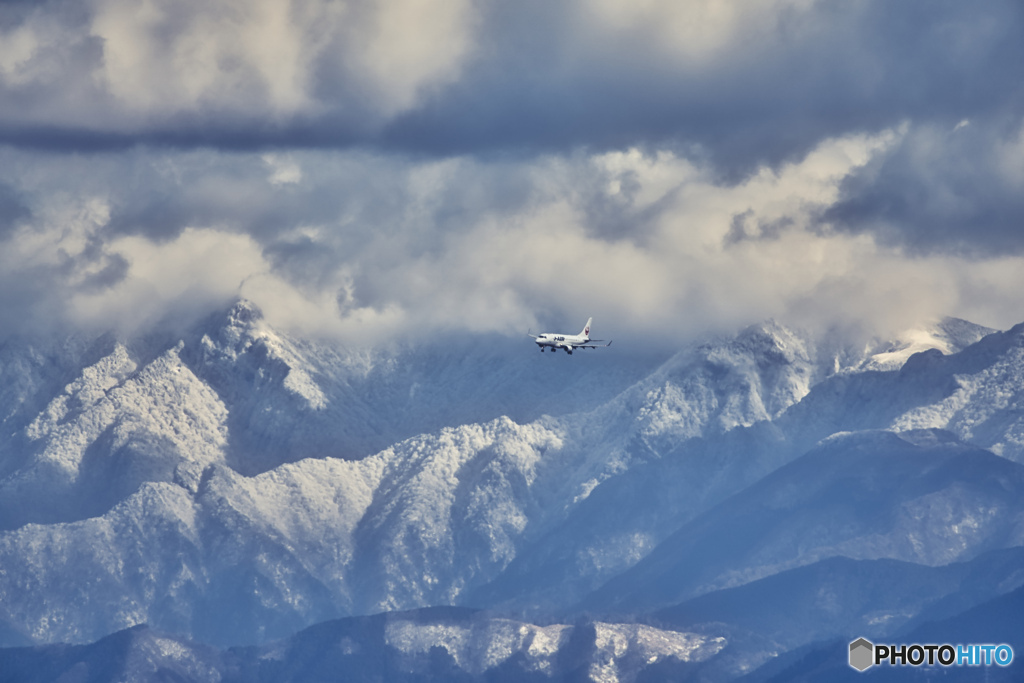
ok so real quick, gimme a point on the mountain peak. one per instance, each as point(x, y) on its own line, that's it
point(235, 327)
point(244, 312)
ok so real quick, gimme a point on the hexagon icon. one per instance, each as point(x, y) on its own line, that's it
point(862, 654)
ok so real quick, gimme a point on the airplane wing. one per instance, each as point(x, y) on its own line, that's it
point(591, 345)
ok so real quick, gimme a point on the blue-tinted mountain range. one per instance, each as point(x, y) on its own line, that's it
point(607, 517)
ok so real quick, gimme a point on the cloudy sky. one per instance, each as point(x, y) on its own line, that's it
point(363, 168)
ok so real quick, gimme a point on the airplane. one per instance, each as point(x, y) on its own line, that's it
point(568, 342)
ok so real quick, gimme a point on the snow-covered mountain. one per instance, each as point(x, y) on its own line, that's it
point(443, 644)
point(417, 524)
point(84, 422)
point(451, 644)
point(234, 485)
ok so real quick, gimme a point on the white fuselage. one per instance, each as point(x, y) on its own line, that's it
point(561, 341)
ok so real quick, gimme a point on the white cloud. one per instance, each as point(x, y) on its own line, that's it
point(657, 100)
point(696, 31)
point(361, 246)
point(405, 46)
point(260, 57)
point(164, 56)
point(185, 277)
point(504, 269)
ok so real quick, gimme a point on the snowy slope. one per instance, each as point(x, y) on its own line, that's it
point(410, 526)
point(948, 336)
point(978, 394)
point(697, 430)
point(865, 495)
point(677, 442)
point(188, 498)
point(111, 429)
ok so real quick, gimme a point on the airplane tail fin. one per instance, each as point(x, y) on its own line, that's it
point(586, 330)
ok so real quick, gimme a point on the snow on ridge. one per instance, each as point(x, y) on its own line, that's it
point(470, 482)
point(948, 335)
point(720, 384)
point(83, 392)
point(450, 510)
point(121, 570)
point(242, 330)
point(357, 528)
point(149, 420)
point(163, 397)
point(985, 407)
point(647, 644)
point(476, 646)
point(312, 506)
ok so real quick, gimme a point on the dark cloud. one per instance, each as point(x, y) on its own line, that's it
point(841, 67)
point(545, 78)
point(161, 216)
point(955, 187)
point(161, 194)
point(304, 261)
point(13, 209)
